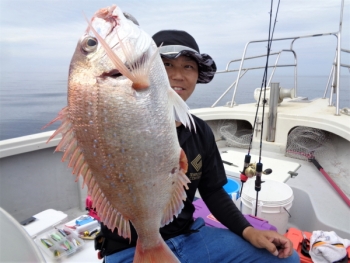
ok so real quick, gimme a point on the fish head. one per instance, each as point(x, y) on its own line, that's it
point(113, 47)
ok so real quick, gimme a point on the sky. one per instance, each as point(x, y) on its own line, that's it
point(41, 35)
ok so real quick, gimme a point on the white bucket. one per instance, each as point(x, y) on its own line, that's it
point(275, 201)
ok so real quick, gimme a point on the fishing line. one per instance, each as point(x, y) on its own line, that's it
point(263, 83)
point(259, 165)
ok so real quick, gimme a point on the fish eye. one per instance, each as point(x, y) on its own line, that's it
point(89, 44)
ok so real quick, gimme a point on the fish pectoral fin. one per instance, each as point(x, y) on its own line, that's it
point(139, 65)
point(179, 109)
point(118, 63)
point(180, 181)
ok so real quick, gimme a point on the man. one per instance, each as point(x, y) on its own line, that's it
point(192, 241)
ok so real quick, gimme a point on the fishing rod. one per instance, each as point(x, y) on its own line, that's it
point(259, 166)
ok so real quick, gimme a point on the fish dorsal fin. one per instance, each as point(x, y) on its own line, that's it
point(179, 109)
point(108, 214)
point(179, 195)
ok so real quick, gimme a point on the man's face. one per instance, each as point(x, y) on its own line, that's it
point(182, 74)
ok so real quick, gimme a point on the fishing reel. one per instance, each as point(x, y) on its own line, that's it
point(250, 171)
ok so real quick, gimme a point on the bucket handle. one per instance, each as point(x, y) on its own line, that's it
point(287, 212)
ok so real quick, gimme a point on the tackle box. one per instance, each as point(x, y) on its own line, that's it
point(210, 220)
point(55, 236)
point(59, 242)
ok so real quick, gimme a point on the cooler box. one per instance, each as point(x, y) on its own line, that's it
point(210, 220)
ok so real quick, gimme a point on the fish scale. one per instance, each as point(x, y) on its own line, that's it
point(118, 132)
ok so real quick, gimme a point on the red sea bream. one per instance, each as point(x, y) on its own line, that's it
point(118, 131)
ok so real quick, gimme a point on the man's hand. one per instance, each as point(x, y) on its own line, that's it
point(275, 243)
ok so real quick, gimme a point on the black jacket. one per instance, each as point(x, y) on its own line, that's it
point(207, 174)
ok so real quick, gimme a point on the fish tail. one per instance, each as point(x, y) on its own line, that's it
point(159, 254)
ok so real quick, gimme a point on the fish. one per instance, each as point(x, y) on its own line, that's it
point(119, 131)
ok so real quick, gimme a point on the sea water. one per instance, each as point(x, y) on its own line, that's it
point(28, 101)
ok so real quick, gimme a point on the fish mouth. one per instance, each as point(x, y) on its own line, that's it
point(114, 73)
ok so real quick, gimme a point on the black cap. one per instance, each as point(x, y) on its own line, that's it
point(177, 43)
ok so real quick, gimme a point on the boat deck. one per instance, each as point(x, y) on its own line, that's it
point(311, 209)
point(291, 113)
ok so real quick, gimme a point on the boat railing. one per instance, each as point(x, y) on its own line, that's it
point(242, 70)
point(245, 70)
point(27, 143)
point(334, 74)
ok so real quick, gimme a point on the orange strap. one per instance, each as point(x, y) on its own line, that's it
point(320, 243)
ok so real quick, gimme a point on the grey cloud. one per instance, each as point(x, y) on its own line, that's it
point(51, 28)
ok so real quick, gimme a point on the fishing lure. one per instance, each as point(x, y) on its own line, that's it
point(68, 245)
point(56, 237)
point(75, 242)
point(46, 242)
point(62, 232)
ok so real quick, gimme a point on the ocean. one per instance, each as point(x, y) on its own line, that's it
point(28, 101)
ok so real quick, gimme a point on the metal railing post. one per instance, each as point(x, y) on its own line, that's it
point(272, 116)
